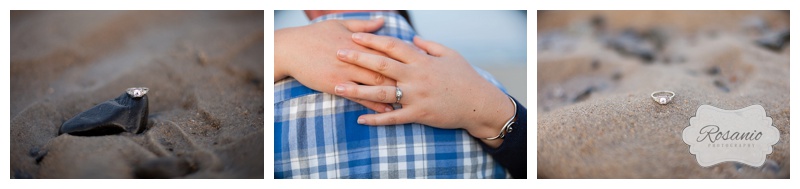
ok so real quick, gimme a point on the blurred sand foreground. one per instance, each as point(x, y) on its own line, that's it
point(596, 70)
point(205, 74)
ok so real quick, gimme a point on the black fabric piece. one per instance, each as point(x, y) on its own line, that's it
point(513, 152)
point(122, 114)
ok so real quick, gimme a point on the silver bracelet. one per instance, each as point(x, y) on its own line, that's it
point(507, 127)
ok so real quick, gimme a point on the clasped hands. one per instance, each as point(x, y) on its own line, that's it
point(440, 88)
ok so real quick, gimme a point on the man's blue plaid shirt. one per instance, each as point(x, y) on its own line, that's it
point(316, 134)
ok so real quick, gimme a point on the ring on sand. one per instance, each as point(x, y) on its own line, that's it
point(662, 97)
point(137, 92)
point(399, 94)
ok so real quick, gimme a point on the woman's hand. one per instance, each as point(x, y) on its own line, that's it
point(440, 89)
point(306, 53)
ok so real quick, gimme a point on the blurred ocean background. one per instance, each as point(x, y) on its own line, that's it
point(495, 41)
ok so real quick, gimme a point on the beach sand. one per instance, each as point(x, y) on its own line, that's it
point(206, 99)
point(595, 115)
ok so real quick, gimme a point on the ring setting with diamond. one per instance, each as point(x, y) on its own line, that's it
point(137, 92)
point(662, 97)
point(398, 94)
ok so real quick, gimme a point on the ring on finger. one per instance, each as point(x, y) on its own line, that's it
point(398, 94)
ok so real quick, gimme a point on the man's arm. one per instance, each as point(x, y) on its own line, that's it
point(308, 54)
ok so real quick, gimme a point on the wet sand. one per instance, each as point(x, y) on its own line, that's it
point(206, 79)
point(595, 115)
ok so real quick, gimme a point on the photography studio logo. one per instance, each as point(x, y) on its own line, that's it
point(745, 135)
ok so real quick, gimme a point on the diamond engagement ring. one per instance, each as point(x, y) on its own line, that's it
point(137, 92)
point(662, 97)
point(399, 94)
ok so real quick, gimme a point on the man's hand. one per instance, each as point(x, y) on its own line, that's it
point(308, 54)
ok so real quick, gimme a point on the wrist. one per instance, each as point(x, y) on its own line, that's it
point(499, 110)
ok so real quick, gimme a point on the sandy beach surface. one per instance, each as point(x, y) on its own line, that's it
point(595, 115)
point(205, 74)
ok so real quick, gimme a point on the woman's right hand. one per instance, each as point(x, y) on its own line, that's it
point(439, 88)
point(307, 54)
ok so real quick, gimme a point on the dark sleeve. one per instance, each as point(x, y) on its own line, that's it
point(513, 152)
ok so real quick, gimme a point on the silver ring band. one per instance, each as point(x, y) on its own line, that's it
point(398, 94)
point(662, 97)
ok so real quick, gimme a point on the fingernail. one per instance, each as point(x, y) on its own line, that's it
point(339, 89)
point(388, 109)
point(358, 36)
point(361, 121)
point(342, 53)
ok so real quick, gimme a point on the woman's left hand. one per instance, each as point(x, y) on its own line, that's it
point(440, 89)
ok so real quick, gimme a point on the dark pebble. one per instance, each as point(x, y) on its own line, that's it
point(595, 64)
point(658, 37)
point(616, 76)
point(646, 55)
point(721, 86)
point(33, 151)
point(771, 166)
point(163, 168)
point(713, 70)
point(122, 114)
point(255, 81)
point(37, 154)
point(584, 95)
point(598, 23)
point(19, 174)
point(774, 41)
point(629, 43)
point(738, 166)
